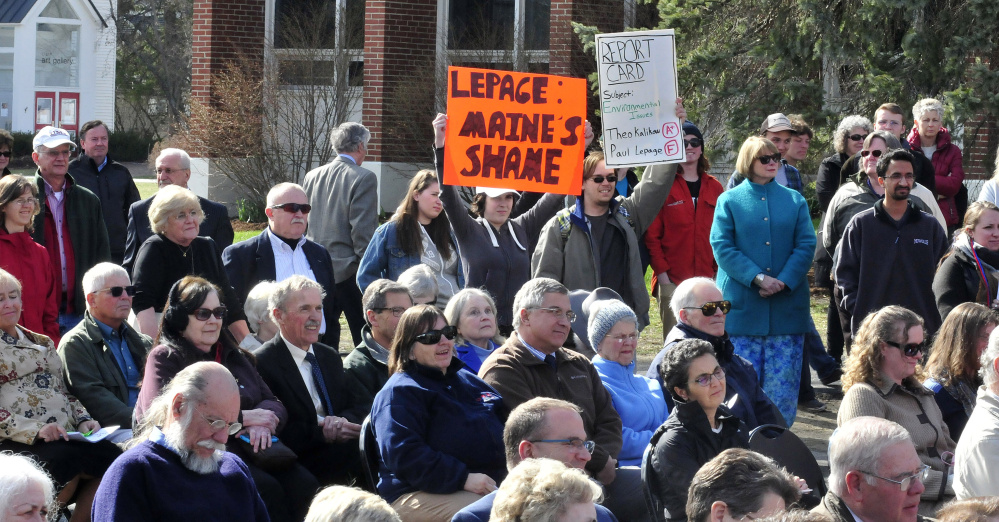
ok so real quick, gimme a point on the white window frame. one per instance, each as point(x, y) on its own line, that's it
point(273, 56)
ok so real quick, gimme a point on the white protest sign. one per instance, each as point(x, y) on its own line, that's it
point(638, 91)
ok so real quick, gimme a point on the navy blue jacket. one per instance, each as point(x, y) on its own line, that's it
point(434, 428)
point(480, 510)
point(252, 261)
point(743, 394)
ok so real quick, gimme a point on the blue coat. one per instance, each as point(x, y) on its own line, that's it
point(763, 228)
point(640, 403)
point(434, 429)
point(385, 259)
point(466, 352)
point(252, 261)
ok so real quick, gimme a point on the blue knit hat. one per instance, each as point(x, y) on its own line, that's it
point(603, 316)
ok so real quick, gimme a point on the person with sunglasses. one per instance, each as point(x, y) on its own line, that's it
point(6, 151)
point(677, 239)
point(173, 252)
point(28, 261)
point(438, 426)
point(848, 139)
point(192, 331)
point(37, 410)
point(103, 356)
point(779, 130)
point(883, 378)
point(702, 311)
point(699, 427)
point(931, 139)
point(764, 242)
point(595, 242)
point(281, 251)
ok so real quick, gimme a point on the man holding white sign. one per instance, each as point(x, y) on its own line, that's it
point(582, 246)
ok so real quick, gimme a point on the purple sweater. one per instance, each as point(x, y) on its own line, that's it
point(149, 483)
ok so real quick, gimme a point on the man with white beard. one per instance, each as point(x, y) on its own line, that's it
point(177, 467)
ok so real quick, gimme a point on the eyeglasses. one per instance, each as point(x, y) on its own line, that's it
point(764, 160)
point(692, 143)
point(25, 202)
point(705, 380)
point(910, 350)
point(434, 336)
point(897, 176)
point(876, 153)
point(620, 339)
point(396, 310)
point(218, 425)
point(857, 137)
point(5, 153)
point(294, 207)
point(58, 153)
point(709, 308)
point(116, 291)
point(600, 179)
point(906, 482)
point(202, 314)
point(576, 444)
point(558, 312)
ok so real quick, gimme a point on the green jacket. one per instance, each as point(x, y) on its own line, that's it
point(364, 374)
point(87, 232)
point(93, 375)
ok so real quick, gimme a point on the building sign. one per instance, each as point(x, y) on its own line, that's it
point(638, 91)
point(515, 130)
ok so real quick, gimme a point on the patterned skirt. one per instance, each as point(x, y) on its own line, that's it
point(777, 360)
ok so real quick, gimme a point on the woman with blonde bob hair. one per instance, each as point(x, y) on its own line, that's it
point(473, 312)
point(419, 232)
point(763, 240)
point(346, 504)
point(882, 378)
point(543, 490)
point(437, 425)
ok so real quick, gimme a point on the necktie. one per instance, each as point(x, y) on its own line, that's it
point(550, 361)
point(317, 379)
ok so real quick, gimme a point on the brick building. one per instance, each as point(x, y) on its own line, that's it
point(400, 50)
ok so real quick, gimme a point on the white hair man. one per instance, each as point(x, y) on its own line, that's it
point(173, 167)
point(874, 473)
point(102, 357)
point(344, 197)
point(177, 467)
point(282, 251)
point(977, 454)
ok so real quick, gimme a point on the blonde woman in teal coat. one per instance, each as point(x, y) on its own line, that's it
point(763, 241)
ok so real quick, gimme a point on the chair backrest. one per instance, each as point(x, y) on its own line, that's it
point(369, 454)
point(789, 451)
point(648, 474)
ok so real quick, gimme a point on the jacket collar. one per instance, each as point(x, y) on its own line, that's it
point(722, 345)
point(614, 368)
point(885, 386)
point(371, 348)
point(912, 214)
point(579, 217)
point(692, 415)
point(415, 368)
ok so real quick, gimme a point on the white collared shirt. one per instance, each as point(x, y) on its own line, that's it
point(288, 262)
point(305, 369)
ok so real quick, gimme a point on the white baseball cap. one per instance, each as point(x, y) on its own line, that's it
point(494, 192)
point(52, 137)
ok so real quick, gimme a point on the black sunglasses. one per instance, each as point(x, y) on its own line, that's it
point(202, 314)
point(294, 207)
point(858, 137)
point(600, 179)
point(767, 159)
point(693, 143)
point(116, 291)
point(434, 336)
point(910, 350)
point(876, 153)
point(5, 153)
point(709, 308)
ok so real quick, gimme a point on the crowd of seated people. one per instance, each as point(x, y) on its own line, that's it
point(218, 366)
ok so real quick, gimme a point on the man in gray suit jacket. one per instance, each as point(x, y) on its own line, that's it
point(344, 199)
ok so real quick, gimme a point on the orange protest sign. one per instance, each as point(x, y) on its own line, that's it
point(515, 130)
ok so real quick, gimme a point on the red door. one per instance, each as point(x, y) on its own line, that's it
point(45, 109)
point(58, 109)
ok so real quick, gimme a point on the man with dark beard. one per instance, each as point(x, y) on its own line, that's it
point(177, 467)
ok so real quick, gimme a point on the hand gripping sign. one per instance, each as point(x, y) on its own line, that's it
point(515, 130)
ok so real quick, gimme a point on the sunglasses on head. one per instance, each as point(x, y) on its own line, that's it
point(910, 350)
point(857, 137)
point(693, 143)
point(767, 159)
point(294, 207)
point(709, 308)
point(600, 179)
point(202, 314)
point(876, 153)
point(5, 153)
point(116, 291)
point(434, 336)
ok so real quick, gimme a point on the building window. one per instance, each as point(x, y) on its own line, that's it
point(502, 34)
point(59, 9)
point(57, 55)
point(317, 42)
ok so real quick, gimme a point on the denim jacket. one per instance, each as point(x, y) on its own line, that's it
point(385, 259)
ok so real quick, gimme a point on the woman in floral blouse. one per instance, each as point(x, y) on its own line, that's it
point(37, 411)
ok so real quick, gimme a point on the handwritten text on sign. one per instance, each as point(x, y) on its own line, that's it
point(514, 130)
point(638, 87)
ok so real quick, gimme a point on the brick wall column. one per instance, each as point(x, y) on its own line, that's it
point(222, 31)
point(980, 140)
